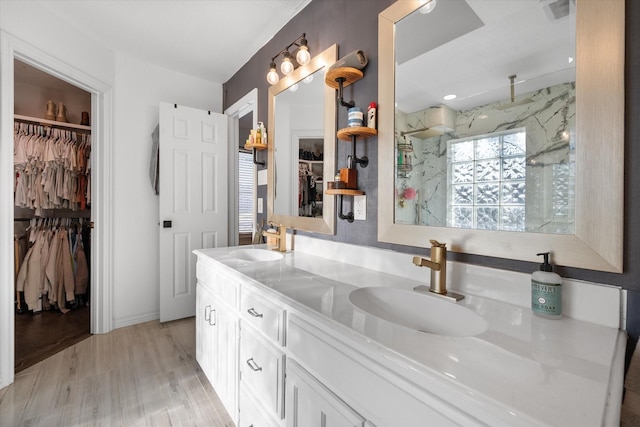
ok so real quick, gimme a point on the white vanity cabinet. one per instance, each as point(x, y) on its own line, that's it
point(284, 347)
point(217, 334)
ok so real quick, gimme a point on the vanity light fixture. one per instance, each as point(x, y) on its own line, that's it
point(428, 7)
point(303, 57)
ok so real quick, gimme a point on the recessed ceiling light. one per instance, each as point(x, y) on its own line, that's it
point(428, 7)
point(449, 97)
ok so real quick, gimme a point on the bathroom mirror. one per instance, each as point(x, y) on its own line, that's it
point(429, 140)
point(302, 147)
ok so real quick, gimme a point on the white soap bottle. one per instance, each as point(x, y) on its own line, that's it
point(546, 291)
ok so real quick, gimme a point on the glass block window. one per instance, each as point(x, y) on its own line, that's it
point(486, 181)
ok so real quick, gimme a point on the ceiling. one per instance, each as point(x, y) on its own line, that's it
point(470, 48)
point(210, 39)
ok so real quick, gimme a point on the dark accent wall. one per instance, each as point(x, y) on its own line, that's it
point(353, 24)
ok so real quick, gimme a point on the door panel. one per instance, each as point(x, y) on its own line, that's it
point(193, 193)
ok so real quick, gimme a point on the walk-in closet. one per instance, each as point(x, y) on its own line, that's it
point(52, 214)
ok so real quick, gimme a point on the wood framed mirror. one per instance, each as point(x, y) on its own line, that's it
point(302, 147)
point(596, 238)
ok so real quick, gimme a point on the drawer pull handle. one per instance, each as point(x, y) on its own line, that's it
point(253, 365)
point(207, 318)
point(254, 313)
point(212, 317)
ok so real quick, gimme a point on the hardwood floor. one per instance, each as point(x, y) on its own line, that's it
point(142, 375)
point(42, 335)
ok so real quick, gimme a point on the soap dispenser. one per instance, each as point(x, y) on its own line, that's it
point(546, 291)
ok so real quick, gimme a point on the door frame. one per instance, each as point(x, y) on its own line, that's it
point(12, 48)
point(245, 105)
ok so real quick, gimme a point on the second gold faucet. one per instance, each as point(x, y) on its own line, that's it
point(438, 266)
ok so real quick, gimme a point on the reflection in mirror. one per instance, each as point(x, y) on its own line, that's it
point(302, 147)
point(526, 158)
point(299, 147)
point(501, 154)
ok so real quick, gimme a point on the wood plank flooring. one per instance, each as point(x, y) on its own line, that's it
point(142, 375)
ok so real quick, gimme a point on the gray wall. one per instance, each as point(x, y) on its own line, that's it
point(353, 24)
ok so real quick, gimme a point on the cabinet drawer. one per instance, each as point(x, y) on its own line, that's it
point(223, 285)
point(252, 414)
point(262, 371)
point(263, 315)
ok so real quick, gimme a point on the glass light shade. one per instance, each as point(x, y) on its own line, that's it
point(287, 66)
point(303, 56)
point(272, 75)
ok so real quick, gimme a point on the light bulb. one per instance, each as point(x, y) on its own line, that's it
point(272, 75)
point(308, 79)
point(294, 87)
point(303, 56)
point(287, 66)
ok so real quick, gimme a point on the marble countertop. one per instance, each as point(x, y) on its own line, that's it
point(524, 369)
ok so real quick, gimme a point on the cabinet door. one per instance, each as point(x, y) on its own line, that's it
point(311, 404)
point(217, 346)
point(226, 355)
point(205, 332)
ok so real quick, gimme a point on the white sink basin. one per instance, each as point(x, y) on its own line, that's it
point(252, 254)
point(417, 311)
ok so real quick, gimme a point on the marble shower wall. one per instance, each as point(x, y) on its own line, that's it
point(547, 115)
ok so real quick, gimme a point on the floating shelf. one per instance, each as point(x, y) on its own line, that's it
point(250, 146)
point(343, 192)
point(359, 132)
point(51, 122)
point(344, 75)
point(339, 78)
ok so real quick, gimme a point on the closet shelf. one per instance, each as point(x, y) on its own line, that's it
point(55, 123)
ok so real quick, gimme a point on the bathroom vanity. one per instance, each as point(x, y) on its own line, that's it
point(285, 341)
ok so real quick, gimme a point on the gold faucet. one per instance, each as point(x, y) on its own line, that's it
point(438, 266)
point(280, 235)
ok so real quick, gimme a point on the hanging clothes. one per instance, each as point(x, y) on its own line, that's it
point(52, 168)
point(55, 269)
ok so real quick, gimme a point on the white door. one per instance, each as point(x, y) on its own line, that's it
point(193, 198)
